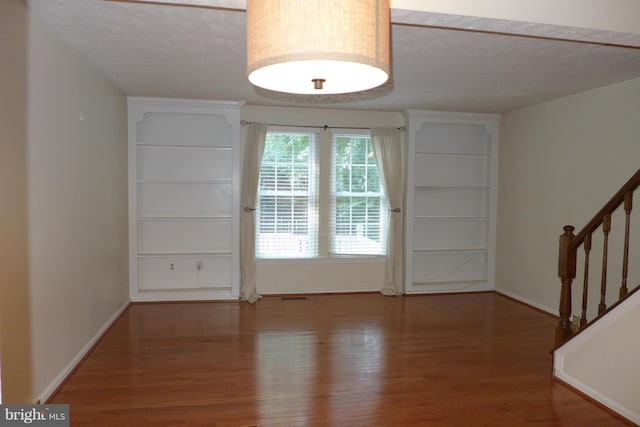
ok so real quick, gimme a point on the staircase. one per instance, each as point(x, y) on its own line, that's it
point(571, 244)
point(596, 344)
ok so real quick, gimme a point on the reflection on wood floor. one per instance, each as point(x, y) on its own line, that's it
point(328, 360)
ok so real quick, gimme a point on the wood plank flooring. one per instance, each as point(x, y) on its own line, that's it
point(328, 360)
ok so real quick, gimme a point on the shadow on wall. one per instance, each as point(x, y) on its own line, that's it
point(15, 330)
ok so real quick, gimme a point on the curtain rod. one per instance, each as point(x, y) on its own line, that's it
point(325, 127)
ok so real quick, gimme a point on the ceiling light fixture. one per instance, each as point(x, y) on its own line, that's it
point(318, 47)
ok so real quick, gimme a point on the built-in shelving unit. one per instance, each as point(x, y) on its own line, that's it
point(184, 198)
point(451, 194)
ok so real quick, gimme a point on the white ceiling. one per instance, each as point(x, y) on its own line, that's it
point(192, 52)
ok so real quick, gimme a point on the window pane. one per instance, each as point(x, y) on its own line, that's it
point(282, 147)
point(268, 177)
point(373, 180)
point(283, 217)
point(267, 214)
point(358, 179)
point(300, 177)
point(359, 209)
point(341, 151)
point(284, 177)
point(301, 150)
point(300, 215)
point(286, 224)
point(358, 151)
point(342, 178)
point(343, 216)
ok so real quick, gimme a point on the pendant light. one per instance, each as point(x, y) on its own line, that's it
point(318, 47)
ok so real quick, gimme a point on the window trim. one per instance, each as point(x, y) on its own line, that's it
point(323, 156)
point(312, 192)
point(334, 195)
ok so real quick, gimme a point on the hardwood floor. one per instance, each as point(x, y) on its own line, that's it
point(329, 360)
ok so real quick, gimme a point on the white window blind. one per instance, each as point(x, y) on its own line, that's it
point(286, 213)
point(359, 209)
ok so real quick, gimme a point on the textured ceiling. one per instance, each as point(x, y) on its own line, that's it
point(193, 52)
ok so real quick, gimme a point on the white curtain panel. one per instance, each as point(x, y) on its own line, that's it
point(387, 148)
point(253, 150)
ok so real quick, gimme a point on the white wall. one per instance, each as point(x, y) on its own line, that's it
point(578, 362)
point(326, 275)
point(77, 157)
point(560, 161)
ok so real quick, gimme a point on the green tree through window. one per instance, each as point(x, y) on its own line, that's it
point(359, 209)
point(286, 197)
point(288, 207)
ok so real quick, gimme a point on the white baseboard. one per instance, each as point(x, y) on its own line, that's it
point(62, 376)
point(165, 295)
point(448, 288)
point(316, 291)
point(598, 397)
point(527, 301)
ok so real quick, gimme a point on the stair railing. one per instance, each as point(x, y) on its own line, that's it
point(568, 255)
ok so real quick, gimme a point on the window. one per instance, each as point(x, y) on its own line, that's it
point(286, 225)
point(358, 208)
point(319, 200)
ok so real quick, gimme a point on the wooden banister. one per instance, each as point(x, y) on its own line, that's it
point(628, 205)
point(567, 257)
point(611, 206)
point(567, 272)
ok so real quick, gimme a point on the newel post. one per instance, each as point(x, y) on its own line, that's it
point(567, 272)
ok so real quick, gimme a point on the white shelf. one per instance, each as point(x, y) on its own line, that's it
point(187, 288)
point(180, 146)
point(184, 163)
point(450, 169)
point(450, 225)
point(185, 122)
point(440, 250)
point(180, 290)
point(450, 202)
point(426, 187)
point(184, 218)
point(183, 254)
point(451, 218)
point(177, 145)
point(433, 153)
point(184, 181)
point(451, 136)
point(164, 163)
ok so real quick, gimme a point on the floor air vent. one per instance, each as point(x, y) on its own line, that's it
point(292, 298)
